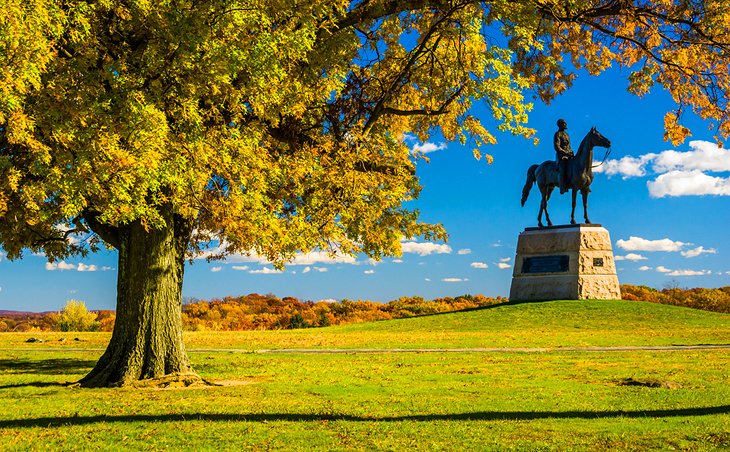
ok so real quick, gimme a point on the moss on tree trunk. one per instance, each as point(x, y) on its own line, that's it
point(147, 340)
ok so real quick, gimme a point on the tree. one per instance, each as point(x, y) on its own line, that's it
point(75, 317)
point(276, 127)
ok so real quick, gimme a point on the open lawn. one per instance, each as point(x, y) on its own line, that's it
point(557, 400)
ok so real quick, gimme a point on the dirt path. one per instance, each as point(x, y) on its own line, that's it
point(412, 350)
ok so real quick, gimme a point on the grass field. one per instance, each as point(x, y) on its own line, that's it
point(558, 400)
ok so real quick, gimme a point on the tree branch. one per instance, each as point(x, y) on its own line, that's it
point(108, 233)
point(423, 112)
point(421, 49)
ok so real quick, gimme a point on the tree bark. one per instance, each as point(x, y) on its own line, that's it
point(147, 339)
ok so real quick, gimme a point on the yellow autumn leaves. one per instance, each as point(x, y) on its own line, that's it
point(280, 126)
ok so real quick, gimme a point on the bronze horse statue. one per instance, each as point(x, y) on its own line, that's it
point(579, 176)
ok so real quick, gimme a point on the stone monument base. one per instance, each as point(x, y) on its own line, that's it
point(573, 262)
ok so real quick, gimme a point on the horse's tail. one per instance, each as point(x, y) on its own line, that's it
point(528, 184)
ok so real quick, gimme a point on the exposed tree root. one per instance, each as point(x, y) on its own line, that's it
point(171, 381)
point(176, 380)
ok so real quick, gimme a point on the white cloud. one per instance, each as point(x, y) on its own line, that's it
point(86, 268)
point(266, 271)
point(235, 258)
point(106, 269)
point(503, 265)
point(310, 258)
point(463, 251)
point(322, 257)
point(478, 265)
point(644, 268)
point(397, 261)
point(505, 259)
point(703, 156)
point(640, 244)
point(429, 279)
point(240, 268)
point(626, 167)
point(663, 269)
point(497, 244)
point(238, 258)
point(216, 269)
point(679, 173)
point(74, 238)
point(631, 257)
point(425, 248)
point(427, 147)
point(308, 269)
point(2, 256)
point(686, 183)
point(52, 266)
point(369, 272)
point(694, 252)
point(455, 280)
point(689, 273)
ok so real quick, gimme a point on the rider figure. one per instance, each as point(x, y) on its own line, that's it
point(563, 154)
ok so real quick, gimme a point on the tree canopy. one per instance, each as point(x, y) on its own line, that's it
point(279, 126)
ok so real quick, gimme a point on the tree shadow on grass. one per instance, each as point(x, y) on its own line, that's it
point(55, 366)
point(295, 417)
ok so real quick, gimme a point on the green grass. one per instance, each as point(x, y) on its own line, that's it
point(552, 324)
point(398, 401)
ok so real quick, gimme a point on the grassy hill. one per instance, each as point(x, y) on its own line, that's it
point(547, 324)
point(561, 400)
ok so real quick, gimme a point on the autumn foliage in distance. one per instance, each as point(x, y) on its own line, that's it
point(267, 312)
point(717, 300)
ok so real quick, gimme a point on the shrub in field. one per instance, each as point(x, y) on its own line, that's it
point(75, 317)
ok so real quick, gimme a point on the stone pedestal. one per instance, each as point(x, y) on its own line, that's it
point(564, 263)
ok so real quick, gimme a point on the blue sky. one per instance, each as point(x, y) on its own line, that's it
point(665, 208)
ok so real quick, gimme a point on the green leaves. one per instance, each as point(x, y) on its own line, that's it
point(279, 127)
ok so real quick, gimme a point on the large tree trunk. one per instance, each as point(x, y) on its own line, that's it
point(147, 339)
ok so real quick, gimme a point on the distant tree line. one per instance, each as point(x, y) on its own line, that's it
point(253, 312)
point(73, 317)
point(717, 300)
point(267, 312)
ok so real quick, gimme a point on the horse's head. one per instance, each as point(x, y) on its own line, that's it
point(596, 139)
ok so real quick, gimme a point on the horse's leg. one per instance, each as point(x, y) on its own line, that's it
point(549, 191)
point(543, 206)
point(572, 211)
point(585, 205)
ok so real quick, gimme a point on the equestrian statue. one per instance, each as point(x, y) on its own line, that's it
point(568, 172)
